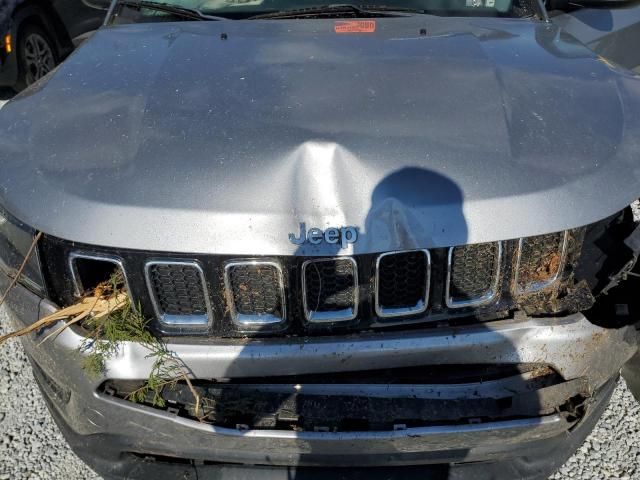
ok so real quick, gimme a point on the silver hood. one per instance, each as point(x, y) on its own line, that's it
point(170, 137)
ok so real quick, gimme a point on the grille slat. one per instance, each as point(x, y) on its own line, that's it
point(540, 260)
point(402, 283)
point(256, 292)
point(179, 293)
point(473, 274)
point(330, 289)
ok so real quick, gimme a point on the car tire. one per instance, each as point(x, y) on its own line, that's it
point(37, 55)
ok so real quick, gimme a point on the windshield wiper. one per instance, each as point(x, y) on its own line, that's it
point(337, 10)
point(191, 13)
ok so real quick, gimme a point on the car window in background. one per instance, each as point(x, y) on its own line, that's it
point(241, 9)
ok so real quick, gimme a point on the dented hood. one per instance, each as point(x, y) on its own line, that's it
point(174, 137)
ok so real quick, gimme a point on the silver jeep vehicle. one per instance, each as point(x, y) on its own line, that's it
point(392, 240)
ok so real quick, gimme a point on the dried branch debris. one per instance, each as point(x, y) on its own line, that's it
point(13, 283)
point(127, 324)
point(109, 319)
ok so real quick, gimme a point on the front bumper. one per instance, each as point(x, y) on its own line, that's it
point(113, 435)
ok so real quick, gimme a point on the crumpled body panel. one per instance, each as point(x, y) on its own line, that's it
point(167, 137)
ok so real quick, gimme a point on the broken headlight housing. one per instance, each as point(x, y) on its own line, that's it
point(16, 239)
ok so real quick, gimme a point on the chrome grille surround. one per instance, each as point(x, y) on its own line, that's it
point(535, 286)
point(79, 289)
point(420, 307)
point(199, 320)
point(257, 320)
point(484, 299)
point(330, 316)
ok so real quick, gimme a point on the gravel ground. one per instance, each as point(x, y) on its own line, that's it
point(612, 451)
point(32, 448)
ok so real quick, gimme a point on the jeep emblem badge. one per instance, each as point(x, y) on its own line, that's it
point(331, 235)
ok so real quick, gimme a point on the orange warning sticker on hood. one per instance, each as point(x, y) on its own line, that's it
point(355, 26)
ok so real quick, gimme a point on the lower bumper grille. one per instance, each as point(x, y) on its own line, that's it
point(348, 407)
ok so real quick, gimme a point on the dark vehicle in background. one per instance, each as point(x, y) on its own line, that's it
point(38, 34)
point(400, 235)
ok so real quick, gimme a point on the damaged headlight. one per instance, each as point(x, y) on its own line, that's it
point(16, 239)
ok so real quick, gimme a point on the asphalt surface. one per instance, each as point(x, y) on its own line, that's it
point(31, 447)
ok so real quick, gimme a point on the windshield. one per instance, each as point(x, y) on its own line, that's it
point(241, 9)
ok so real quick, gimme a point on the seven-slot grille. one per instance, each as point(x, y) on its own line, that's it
point(179, 293)
point(308, 295)
point(330, 289)
point(473, 274)
point(402, 283)
point(256, 293)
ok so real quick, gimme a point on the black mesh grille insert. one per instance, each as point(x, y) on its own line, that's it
point(256, 289)
point(330, 285)
point(473, 271)
point(540, 259)
point(402, 279)
point(178, 289)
